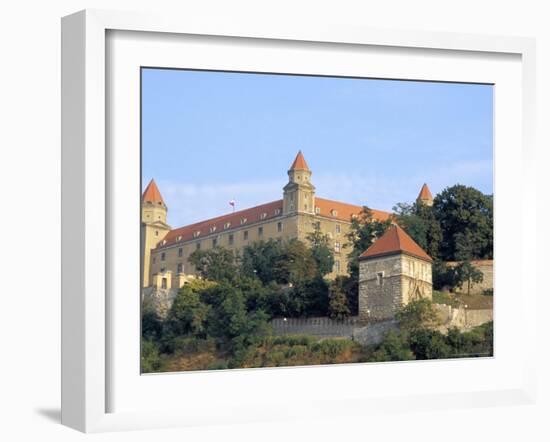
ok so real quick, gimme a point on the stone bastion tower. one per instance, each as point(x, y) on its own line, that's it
point(392, 272)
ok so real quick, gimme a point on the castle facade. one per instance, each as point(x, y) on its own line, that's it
point(166, 251)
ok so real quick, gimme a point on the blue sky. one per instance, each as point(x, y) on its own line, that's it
point(209, 137)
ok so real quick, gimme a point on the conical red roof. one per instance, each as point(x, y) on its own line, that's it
point(152, 193)
point(425, 193)
point(299, 162)
point(395, 240)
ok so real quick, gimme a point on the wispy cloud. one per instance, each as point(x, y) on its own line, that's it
point(189, 202)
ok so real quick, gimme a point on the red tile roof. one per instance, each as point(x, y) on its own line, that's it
point(344, 211)
point(425, 193)
point(240, 218)
point(327, 208)
point(395, 240)
point(299, 162)
point(152, 193)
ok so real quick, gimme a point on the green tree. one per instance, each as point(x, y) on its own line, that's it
point(466, 273)
point(259, 259)
point(151, 360)
point(466, 219)
point(429, 344)
point(296, 264)
point(217, 264)
point(420, 222)
point(394, 347)
point(321, 250)
point(417, 315)
point(188, 314)
point(338, 302)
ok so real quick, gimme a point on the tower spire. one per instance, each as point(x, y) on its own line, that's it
point(299, 162)
point(425, 196)
point(151, 194)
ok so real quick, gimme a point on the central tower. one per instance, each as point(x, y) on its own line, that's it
point(299, 193)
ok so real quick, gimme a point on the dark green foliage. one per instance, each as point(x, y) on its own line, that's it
point(151, 361)
point(321, 251)
point(395, 347)
point(466, 273)
point(420, 222)
point(466, 219)
point(363, 231)
point(296, 264)
point(417, 338)
point(151, 323)
point(417, 315)
point(217, 264)
point(429, 344)
point(443, 276)
point(338, 307)
point(187, 315)
point(258, 260)
point(458, 227)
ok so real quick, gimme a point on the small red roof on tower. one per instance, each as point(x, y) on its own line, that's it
point(425, 193)
point(395, 240)
point(299, 162)
point(152, 193)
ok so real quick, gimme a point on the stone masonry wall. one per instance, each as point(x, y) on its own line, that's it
point(379, 301)
point(486, 267)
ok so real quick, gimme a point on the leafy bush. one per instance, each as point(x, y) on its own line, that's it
point(151, 360)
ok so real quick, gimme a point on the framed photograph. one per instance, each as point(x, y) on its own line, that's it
point(263, 222)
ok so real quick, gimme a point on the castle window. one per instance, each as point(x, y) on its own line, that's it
point(163, 256)
point(317, 210)
point(380, 278)
point(243, 220)
point(334, 212)
point(198, 246)
point(337, 266)
point(317, 225)
point(162, 269)
point(180, 252)
point(337, 247)
point(279, 227)
point(215, 242)
point(260, 231)
point(163, 242)
point(178, 238)
point(156, 233)
point(245, 235)
point(197, 233)
point(263, 215)
point(231, 240)
point(277, 211)
point(337, 229)
point(291, 197)
point(212, 229)
point(227, 225)
point(164, 283)
point(279, 241)
point(154, 259)
point(180, 267)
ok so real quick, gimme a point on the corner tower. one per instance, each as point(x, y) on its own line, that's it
point(425, 196)
point(299, 193)
point(153, 226)
point(392, 272)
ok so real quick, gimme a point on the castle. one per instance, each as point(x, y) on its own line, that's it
point(165, 251)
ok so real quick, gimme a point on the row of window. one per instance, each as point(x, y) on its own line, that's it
point(227, 225)
point(230, 240)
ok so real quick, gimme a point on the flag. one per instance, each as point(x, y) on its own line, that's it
point(232, 203)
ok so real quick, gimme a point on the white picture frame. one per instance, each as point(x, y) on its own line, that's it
point(87, 355)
